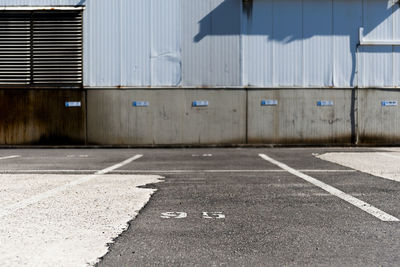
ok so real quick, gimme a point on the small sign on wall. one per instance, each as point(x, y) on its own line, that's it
point(140, 104)
point(72, 104)
point(200, 103)
point(325, 103)
point(269, 102)
point(389, 103)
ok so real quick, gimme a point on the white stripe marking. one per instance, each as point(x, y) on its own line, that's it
point(381, 215)
point(10, 157)
point(39, 197)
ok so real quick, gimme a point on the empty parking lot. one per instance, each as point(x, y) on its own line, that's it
point(220, 206)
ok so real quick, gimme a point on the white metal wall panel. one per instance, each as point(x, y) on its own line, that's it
point(135, 43)
point(211, 47)
point(396, 66)
point(347, 19)
point(131, 43)
point(318, 57)
point(102, 49)
point(379, 64)
point(166, 42)
point(376, 66)
point(378, 22)
point(396, 49)
point(257, 46)
point(287, 43)
point(42, 2)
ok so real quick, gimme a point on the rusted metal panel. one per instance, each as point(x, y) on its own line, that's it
point(41, 117)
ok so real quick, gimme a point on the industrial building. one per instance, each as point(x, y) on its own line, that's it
point(199, 72)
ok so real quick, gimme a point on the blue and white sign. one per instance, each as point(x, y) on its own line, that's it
point(72, 104)
point(389, 103)
point(324, 103)
point(201, 103)
point(140, 104)
point(269, 102)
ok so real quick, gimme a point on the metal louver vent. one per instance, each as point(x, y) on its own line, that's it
point(57, 48)
point(15, 48)
point(41, 48)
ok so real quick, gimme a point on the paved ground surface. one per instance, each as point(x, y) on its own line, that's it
point(289, 206)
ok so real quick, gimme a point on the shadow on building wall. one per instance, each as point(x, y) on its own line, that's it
point(232, 17)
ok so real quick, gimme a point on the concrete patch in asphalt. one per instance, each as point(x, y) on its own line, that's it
point(382, 164)
point(73, 227)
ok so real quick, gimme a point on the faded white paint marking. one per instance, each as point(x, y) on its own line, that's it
point(384, 165)
point(213, 215)
point(381, 215)
point(39, 197)
point(77, 156)
point(173, 215)
point(10, 157)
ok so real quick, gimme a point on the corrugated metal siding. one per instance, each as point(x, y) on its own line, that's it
point(379, 66)
point(260, 62)
point(166, 23)
point(347, 20)
point(317, 43)
point(137, 45)
point(313, 43)
point(285, 43)
point(211, 42)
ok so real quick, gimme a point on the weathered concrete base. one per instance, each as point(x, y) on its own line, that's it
point(169, 119)
point(378, 124)
point(297, 119)
point(40, 117)
point(233, 117)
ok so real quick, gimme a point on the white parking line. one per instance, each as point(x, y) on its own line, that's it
point(39, 197)
point(10, 157)
point(381, 215)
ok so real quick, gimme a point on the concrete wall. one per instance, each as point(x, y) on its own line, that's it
point(169, 118)
point(378, 124)
point(297, 119)
point(40, 117)
point(234, 116)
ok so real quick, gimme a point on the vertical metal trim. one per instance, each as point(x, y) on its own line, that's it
point(302, 46)
point(333, 44)
point(241, 49)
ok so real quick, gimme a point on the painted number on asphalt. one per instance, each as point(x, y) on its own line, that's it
point(173, 215)
point(213, 215)
point(182, 215)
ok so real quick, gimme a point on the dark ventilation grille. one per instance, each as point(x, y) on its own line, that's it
point(57, 48)
point(41, 48)
point(15, 48)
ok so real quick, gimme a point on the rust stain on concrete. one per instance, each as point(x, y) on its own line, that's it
point(30, 117)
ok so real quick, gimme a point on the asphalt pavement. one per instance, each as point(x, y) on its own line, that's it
point(242, 206)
